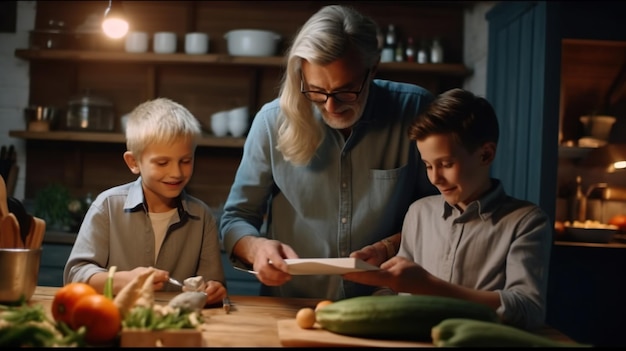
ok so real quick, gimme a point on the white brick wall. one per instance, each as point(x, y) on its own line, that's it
point(475, 46)
point(14, 75)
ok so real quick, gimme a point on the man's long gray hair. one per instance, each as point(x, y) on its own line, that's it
point(327, 36)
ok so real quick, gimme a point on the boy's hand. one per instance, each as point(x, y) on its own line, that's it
point(215, 292)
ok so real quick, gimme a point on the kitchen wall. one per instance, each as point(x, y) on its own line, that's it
point(14, 84)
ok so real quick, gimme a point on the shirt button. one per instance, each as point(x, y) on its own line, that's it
point(344, 220)
point(344, 185)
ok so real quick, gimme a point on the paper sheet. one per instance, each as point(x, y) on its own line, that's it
point(308, 266)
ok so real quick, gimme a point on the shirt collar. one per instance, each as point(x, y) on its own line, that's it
point(135, 200)
point(484, 206)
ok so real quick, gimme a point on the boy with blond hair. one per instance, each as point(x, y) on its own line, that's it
point(152, 221)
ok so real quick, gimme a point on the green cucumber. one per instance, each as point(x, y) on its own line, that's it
point(461, 332)
point(402, 317)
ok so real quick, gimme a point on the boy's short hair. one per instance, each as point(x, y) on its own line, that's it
point(160, 121)
point(469, 118)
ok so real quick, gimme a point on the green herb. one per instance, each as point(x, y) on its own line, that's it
point(29, 326)
point(141, 317)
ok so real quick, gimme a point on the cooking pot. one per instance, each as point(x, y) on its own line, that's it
point(88, 112)
point(252, 42)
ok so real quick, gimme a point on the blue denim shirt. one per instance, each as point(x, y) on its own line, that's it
point(352, 194)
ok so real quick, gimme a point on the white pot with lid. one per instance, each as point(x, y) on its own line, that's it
point(88, 112)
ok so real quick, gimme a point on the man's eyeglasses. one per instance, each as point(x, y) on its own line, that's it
point(339, 96)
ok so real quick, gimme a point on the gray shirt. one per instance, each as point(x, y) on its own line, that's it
point(499, 244)
point(117, 231)
point(352, 194)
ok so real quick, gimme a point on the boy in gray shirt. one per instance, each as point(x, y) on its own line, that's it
point(472, 241)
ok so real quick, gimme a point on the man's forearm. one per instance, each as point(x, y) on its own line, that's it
point(246, 247)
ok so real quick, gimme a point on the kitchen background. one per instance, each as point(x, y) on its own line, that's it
point(88, 162)
point(14, 87)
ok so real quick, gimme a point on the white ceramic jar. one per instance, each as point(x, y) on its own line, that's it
point(164, 42)
point(238, 121)
point(219, 123)
point(196, 43)
point(137, 42)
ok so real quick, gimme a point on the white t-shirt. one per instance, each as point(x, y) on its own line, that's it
point(159, 225)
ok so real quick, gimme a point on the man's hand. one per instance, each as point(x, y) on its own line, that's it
point(263, 251)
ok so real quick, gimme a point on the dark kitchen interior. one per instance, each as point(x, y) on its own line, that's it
point(580, 71)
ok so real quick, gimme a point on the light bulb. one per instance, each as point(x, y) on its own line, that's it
point(619, 165)
point(115, 27)
point(114, 24)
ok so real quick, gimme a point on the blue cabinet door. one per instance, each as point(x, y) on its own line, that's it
point(523, 85)
point(53, 259)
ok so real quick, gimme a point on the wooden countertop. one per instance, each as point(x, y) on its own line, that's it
point(250, 323)
point(257, 321)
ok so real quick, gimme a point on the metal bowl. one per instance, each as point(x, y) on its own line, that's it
point(19, 271)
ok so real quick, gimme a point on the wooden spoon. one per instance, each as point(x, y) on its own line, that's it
point(4, 207)
point(10, 232)
point(37, 232)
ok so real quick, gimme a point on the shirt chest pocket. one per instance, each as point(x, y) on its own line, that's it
point(384, 184)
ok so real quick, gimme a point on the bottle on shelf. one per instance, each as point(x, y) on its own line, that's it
point(410, 51)
point(399, 57)
point(389, 47)
point(436, 52)
point(576, 202)
point(422, 53)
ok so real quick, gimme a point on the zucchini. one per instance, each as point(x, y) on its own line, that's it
point(405, 317)
point(462, 332)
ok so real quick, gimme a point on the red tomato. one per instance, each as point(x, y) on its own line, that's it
point(66, 298)
point(100, 316)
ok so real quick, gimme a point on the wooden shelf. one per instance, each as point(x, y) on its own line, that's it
point(573, 152)
point(445, 69)
point(100, 137)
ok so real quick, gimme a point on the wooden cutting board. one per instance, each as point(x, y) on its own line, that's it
point(291, 335)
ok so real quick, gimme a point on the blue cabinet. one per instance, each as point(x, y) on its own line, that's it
point(238, 282)
point(53, 259)
point(54, 256)
point(522, 84)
